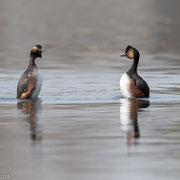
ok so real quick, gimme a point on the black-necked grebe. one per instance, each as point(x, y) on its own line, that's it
point(30, 83)
point(131, 84)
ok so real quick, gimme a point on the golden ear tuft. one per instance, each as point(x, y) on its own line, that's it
point(130, 54)
point(35, 49)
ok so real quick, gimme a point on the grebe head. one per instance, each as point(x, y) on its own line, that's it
point(131, 53)
point(37, 51)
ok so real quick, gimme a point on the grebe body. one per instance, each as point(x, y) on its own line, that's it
point(30, 83)
point(131, 84)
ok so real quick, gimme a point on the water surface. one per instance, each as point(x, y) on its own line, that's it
point(81, 127)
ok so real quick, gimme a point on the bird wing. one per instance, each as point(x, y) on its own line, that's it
point(143, 86)
point(25, 85)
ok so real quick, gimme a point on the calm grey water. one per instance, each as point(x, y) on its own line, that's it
point(81, 127)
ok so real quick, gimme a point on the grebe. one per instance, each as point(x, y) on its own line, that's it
point(30, 83)
point(131, 84)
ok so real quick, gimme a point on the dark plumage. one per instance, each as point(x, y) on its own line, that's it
point(131, 84)
point(30, 83)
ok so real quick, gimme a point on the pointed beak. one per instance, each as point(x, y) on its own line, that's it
point(122, 55)
point(43, 50)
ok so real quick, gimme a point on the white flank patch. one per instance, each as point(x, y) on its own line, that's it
point(38, 84)
point(124, 86)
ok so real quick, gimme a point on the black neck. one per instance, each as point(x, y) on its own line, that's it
point(133, 68)
point(32, 60)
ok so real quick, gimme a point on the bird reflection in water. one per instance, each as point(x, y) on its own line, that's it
point(129, 109)
point(32, 108)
